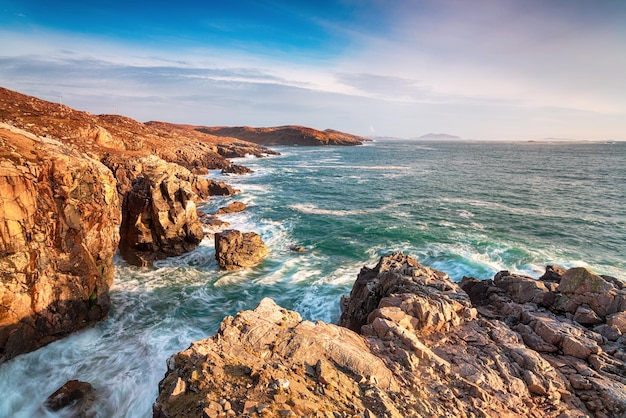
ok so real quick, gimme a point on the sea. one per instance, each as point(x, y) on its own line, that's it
point(466, 208)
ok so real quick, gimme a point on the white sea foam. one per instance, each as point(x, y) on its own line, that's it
point(353, 167)
point(465, 214)
point(310, 208)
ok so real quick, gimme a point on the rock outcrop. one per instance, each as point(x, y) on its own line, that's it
point(522, 355)
point(59, 217)
point(235, 250)
point(159, 217)
point(269, 362)
point(423, 347)
point(232, 208)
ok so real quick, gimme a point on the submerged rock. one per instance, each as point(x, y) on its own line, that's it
point(59, 216)
point(417, 346)
point(76, 396)
point(235, 250)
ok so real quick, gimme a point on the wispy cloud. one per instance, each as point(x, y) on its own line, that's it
point(485, 69)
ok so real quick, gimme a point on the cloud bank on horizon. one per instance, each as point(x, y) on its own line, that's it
point(486, 69)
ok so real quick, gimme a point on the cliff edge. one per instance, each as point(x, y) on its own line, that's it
point(59, 217)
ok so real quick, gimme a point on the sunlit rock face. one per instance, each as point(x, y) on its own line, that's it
point(236, 250)
point(416, 344)
point(159, 217)
point(59, 218)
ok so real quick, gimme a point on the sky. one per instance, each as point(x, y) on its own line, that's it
point(480, 69)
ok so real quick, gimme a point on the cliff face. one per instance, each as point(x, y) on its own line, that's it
point(59, 216)
point(417, 345)
point(285, 135)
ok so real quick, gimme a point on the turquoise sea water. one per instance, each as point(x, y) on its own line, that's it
point(464, 208)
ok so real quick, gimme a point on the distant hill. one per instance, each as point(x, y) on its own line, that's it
point(438, 137)
point(284, 135)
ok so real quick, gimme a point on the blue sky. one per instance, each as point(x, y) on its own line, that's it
point(483, 69)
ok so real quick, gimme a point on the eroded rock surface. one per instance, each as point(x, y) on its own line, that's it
point(235, 250)
point(269, 362)
point(159, 216)
point(59, 216)
point(423, 347)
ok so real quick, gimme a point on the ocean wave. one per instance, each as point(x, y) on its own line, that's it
point(354, 167)
point(312, 209)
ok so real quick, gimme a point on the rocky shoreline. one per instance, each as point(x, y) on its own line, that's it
point(70, 179)
point(76, 188)
point(410, 342)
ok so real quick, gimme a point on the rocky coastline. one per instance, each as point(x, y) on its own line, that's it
point(76, 188)
point(412, 343)
point(71, 180)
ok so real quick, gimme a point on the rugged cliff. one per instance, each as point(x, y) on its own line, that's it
point(416, 344)
point(59, 218)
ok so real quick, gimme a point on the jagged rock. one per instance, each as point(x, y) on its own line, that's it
point(272, 363)
point(59, 216)
point(586, 316)
point(580, 287)
point(553, 274)
point(126, 170)
point(235, 250)
point(77, 396)
point(159, 217)
point(236, 169)
point(591, 363)
point(433, 301)
point(617, 321)
point(232, 208)
point(428, 351)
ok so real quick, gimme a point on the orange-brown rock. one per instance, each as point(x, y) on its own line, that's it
point(100, 135)
point(236, 250)
point(232, 208)
point(159, 217)
point(269, 362)
point(424, 349)
point(59, 216)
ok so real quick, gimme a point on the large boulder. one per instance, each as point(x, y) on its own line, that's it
point(233, 207)
point(159, 216)
point(235, 250)
point(59, 217)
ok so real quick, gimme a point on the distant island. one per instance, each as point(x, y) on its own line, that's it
point(437, 137)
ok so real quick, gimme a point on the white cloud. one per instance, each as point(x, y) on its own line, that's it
point(482, 72)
